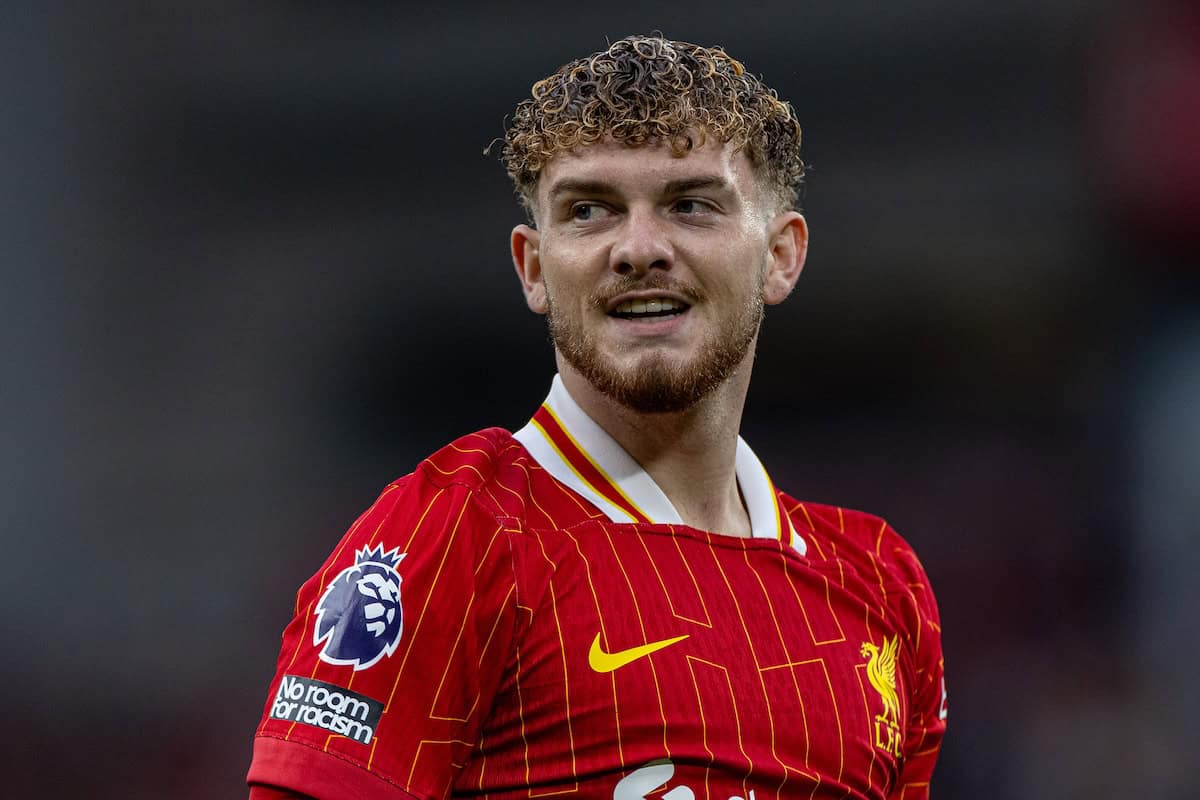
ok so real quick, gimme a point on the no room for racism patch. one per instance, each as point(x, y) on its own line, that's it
point(328, 707)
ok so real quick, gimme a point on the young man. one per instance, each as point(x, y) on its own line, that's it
point(615, 601)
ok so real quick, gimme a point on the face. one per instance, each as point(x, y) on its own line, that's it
point(653, 269)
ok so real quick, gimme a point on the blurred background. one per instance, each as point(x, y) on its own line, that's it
point(255, 266)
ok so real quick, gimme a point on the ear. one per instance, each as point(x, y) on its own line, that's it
point(789, 246)
point(525, 241)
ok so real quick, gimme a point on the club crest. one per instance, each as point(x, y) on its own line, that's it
point(359, 618)
point(881, 671)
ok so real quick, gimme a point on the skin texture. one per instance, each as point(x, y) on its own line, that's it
point(617, 222)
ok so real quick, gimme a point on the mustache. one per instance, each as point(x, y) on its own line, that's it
point(601, 297)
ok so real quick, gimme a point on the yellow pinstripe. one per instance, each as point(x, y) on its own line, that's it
point(757, 666)
point(737, 717)
point(706, 622)
point(417, 755)
point(422, 617)
point(642, 626)
point(521, 698)
point(587, 569)
point(859, 670)
point(788, 656)
point(562, 651)
point(437, 693)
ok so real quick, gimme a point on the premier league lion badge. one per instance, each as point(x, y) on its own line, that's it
point(359, 619)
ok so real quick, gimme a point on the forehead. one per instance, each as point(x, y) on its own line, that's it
point(649, 167)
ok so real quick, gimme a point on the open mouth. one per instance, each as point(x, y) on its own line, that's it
point(653, 308)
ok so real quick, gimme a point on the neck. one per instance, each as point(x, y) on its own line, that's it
point(690, 454)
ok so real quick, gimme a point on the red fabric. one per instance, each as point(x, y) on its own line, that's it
point(510, 580)
point(272, 793)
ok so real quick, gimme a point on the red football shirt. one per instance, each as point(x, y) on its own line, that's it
point(526, 615)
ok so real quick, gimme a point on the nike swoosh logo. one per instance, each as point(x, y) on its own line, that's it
point(601, 661)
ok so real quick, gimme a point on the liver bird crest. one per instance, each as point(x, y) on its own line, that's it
point(881, 670)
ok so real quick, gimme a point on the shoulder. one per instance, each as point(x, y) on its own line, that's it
point(480, 468)
point(446, 489)
point(866, 541)
point(868, 558)
point(473, 461)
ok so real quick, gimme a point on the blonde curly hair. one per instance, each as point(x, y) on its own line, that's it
point(647, 88)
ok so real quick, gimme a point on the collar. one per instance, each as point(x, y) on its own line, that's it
point(574, 449)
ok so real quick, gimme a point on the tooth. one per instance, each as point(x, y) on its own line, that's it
point(649, 306)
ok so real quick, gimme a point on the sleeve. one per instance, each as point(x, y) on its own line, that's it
point(260, 792)
point(394, 653)
point(925, 678)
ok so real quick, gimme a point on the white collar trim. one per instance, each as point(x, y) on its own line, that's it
point(629, 494)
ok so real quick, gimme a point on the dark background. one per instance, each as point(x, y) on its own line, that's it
point(255, 266)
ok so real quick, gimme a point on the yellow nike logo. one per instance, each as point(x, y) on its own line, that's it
point(601, 661)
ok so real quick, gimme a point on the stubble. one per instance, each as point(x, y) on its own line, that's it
point(658, 383)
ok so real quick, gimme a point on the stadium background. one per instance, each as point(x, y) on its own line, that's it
point(254, 267)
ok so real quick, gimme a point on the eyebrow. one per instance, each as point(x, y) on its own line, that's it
point(573, 186)
point(699, 182)
point(681, 186)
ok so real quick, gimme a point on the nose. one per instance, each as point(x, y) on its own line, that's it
point(643, 243)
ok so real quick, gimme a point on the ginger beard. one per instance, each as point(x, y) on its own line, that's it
point(657, 383)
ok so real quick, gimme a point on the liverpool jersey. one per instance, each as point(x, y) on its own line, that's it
point(526, 615)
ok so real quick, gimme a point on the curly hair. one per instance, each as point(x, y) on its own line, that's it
point(644, 89)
